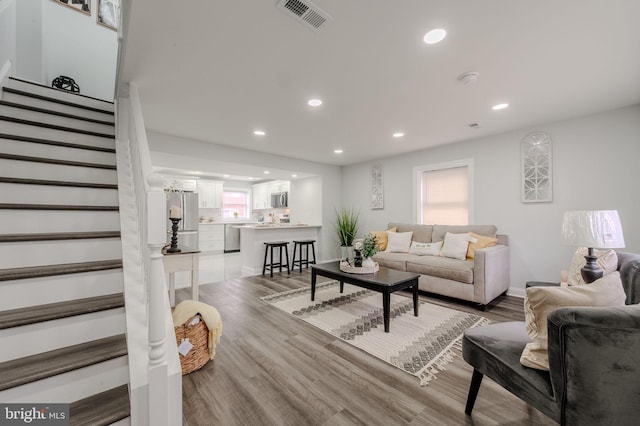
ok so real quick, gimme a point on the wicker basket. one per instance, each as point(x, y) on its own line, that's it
point(198, 335)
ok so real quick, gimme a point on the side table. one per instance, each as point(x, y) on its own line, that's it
point(186, 260)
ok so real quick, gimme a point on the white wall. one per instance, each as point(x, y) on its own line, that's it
point(7, 37)
point(54, 40)
point(595, 166)
point(305, 196)
point(29, 39)
point(321, 193)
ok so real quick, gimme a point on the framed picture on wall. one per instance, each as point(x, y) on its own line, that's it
point(108, 13)
point(83, 6)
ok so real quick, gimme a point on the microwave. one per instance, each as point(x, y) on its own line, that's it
point(279, 199)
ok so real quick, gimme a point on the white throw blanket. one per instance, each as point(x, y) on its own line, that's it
point(209, 314)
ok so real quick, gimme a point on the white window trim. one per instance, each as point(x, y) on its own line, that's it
point(417, 182)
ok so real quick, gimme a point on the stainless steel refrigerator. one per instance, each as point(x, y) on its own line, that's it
point(188, 226)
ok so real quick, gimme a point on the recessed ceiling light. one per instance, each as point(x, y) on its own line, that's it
point(251, 178)
point(398, 135)
point(314, 102)
point(266, 172)
point(294, 176)
point(435, 36)
point(259, 132)
point(337, 151)
point(499, 106)
point(226, 176)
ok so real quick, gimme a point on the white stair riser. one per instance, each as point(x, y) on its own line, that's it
point(24, 254)
point(56, 120)
point(31, 131)
point(60, 288)
point(123, 422)
point(50, 335)
point(24, 221)
point(54, 106)
point(58, 94)
point(9, 146)
point(35, 170)
point(48, 194)
point(72, 386)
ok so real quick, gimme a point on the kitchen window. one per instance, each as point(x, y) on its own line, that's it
point(443, 193)
point(235, 204)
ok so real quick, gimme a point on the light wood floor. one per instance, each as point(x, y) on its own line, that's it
point(273, 369)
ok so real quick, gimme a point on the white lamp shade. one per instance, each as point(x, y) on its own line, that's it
point(592, 228)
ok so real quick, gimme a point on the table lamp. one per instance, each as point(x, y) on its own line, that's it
point(592, 229)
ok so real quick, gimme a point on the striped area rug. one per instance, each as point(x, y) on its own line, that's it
point(421, 346)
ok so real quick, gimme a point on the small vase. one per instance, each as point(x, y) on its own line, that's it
point(347, 254)
point(368, 263)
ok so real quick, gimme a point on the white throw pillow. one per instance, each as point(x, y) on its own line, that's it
point(398, 242)
point(455, 245)
point(607, 261)
point(425, 249)
point(540, 301)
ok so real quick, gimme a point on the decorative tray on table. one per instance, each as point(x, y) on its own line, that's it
point(346, 267)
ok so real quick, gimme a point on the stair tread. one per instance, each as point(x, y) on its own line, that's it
point(17, 157)
point(16, 206)
point(54, 311)
point(29, 369)
point(58, 101)
point(55, 127)
point(35, 83)
point(62, 269)
point(47, 182)
point(57, 113)
point(11, 238)
point(55, 143)
point(101, 409)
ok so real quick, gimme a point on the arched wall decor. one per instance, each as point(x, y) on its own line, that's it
point(536, 168)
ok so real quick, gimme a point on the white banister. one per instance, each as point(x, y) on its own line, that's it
point(156, 377)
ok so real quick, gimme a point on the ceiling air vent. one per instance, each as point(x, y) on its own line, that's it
point(305, 12)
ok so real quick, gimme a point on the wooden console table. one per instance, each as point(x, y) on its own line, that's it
point(187, 260)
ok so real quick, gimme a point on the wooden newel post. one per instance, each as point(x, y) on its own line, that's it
point(158, 369)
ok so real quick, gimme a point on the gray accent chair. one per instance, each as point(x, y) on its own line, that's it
point(594, 360)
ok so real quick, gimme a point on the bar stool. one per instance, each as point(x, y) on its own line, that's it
point(303, 261)
point(269, 247)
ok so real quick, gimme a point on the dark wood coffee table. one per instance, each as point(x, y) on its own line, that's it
point(385, 281)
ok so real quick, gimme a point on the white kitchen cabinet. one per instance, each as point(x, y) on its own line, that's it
point(261, 193)
point(279, 186)
point(211, 237)
point(210, 194)
point(261, 196)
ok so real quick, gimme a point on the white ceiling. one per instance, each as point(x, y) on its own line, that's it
point(217, 70)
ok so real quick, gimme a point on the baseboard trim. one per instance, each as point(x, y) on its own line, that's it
point(516, 292)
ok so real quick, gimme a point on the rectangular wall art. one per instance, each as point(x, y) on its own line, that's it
point(377, 188)
point(83, 6)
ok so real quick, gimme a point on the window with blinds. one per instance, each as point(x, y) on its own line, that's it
point(444, 194)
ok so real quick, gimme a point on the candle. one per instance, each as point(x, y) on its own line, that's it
point(175, 212)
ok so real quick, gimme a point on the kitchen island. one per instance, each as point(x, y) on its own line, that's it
point(253, 237)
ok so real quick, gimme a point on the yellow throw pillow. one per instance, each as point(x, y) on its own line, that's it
point(540, 301)
point(382, 239)
point(482, 242)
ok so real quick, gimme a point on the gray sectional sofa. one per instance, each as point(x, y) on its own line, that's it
point(478, 280)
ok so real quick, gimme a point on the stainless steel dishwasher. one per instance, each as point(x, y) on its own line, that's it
point(231, 237)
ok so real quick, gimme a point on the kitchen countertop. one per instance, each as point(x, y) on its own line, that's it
point(227, 222)
point(278, 226)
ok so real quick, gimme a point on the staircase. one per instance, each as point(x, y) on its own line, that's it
point(62, 323)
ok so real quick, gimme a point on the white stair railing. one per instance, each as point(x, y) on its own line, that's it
point(156, 377)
